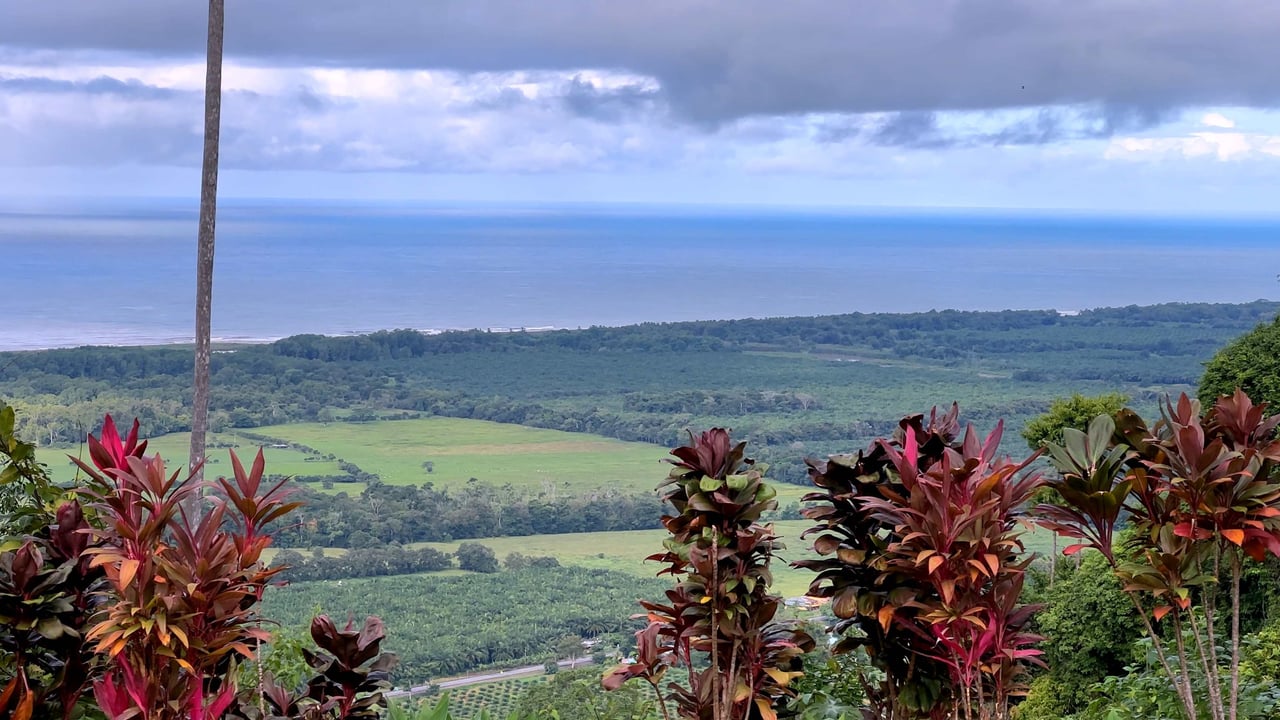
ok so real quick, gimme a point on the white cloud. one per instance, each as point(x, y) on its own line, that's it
point(1221, 146)
point(1217, 120)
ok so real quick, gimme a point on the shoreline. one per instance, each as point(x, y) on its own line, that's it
point(232, 341)
point(242, 340)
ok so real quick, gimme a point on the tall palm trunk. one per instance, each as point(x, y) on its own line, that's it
point(208, 216)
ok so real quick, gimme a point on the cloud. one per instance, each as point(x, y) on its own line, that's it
point(714, 61)
point(97, 86)
point(1220, 146)
point(1217, 120)
point(585, 99)
point(324, 119)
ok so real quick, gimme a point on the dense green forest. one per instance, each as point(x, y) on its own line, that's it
point(791, 386)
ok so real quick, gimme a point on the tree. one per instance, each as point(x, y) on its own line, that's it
point(1089, 631)
point(205, 238)
point(1251, 363)
point(476, 558)
point(1073, 412)
point(569, 646)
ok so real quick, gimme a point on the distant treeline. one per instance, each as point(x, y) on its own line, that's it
point(385, 561)
point(791, 386)
point(384, 514)
point(358, 563)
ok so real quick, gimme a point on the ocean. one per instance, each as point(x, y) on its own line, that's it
point(123, 274)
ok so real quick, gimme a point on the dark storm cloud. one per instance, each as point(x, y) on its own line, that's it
point(717, 60)
point(912, 130)
point(586, 100)
point(923, 130)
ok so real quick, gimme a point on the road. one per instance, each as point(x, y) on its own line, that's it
point(466, 680)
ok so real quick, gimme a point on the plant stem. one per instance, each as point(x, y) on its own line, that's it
point(1209, 664)
point(714, 592)
point(1184, 691)
point(1235, 632)
point(662, 702)
point(1210, 610)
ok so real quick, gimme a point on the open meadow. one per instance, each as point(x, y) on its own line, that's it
point(458, 450)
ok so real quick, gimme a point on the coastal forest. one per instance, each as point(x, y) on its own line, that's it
point(1056, 516)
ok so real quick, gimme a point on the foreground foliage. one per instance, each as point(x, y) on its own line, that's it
point(720, 611)
point(922, 560)
point(150, 595)
point(1201, 493)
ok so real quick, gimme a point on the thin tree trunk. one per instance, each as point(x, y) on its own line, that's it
point(1235, 633)
point(1210, 612)
point(1208, 663)
point(1184, 689)
point(208, 216)
point(1182, 662)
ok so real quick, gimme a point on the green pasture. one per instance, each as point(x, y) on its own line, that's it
point(495, 453)
point(175, 448)
point(625, 551)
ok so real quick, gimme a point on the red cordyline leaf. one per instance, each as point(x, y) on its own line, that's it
point(112, 453)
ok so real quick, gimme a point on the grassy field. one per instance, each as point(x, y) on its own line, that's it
point(495, 453)
point(175, 447)
point(626, 551)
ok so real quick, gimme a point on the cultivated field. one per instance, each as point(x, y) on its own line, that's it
point(496, 453)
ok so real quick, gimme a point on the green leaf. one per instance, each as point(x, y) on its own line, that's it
point(1101, 429)
point(50, 628)
point(709, 484)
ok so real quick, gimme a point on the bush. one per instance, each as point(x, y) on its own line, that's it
point(476, 558)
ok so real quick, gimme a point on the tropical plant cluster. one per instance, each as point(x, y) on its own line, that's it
point(719, 622)
point(138, 596)
point(1200, 493)
point(921, 557)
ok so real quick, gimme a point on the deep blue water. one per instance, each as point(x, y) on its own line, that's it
point(124, 274)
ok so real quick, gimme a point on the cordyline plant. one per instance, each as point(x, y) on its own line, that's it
point(352, 673)
point(47, 589)
point(1201, 494)
point(720, 610)
point(48, 592)
point(183, 592)
point(920, 554)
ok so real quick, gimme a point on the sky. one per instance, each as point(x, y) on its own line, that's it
point(1096, 105)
